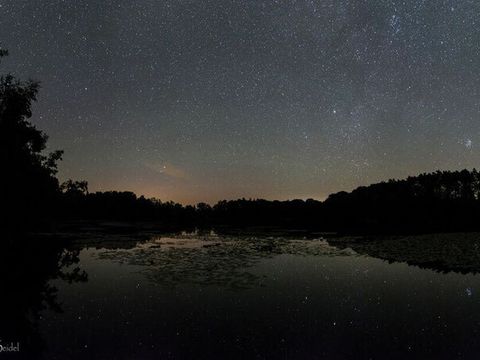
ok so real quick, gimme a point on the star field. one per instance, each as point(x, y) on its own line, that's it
point(205, 100)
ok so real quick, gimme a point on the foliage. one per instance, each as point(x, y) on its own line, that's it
point(28, 186)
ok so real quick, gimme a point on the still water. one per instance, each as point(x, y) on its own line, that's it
point(214, 296)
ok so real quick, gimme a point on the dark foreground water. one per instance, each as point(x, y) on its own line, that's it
point(209, 296)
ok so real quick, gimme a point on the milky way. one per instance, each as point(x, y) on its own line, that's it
point(204, 100)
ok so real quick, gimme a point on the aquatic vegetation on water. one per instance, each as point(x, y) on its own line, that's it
point(458, 252)
point(213, 259)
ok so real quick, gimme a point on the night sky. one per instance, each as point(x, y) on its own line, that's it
point(204, 100)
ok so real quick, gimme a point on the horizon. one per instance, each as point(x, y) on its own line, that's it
point(280, 199)
point(211, 101)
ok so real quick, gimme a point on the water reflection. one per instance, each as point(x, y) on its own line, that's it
point(224, 259)
point(28, 265)
point(458, 252)
point(163, 296)
point(293, 297)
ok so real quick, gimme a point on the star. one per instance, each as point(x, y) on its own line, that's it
point(220, 89)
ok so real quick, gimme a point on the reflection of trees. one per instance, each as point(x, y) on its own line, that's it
point(212, 260)
point(28, 266)
point(439, 252)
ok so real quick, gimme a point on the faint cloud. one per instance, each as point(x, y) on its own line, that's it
point(167, 169)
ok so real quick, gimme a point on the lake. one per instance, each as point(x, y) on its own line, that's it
point(217, 295)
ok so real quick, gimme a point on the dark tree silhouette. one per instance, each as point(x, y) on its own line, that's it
point(28, 186)
point(441, 201)
point(74, 188)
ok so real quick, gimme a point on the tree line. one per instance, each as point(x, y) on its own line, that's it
point(32, 196)
point(439, 201)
